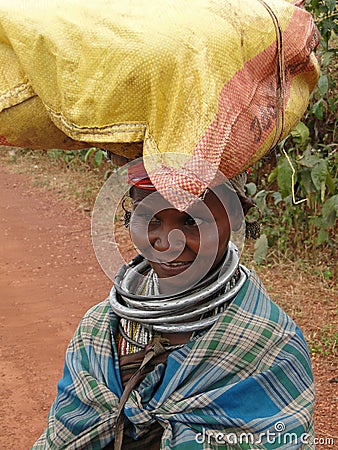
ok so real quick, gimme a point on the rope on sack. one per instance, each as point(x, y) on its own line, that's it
point(280, 120)
point(280, 75)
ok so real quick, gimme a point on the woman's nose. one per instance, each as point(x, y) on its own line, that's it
point(167, 239)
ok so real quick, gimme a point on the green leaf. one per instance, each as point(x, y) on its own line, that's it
point(331, 4)
point(330, 183)
point(323, 84)
point(284, 177)
point(98, 157)
point(300, 133)
point(330, 211)
point(323, 9)
point(89, 152)
point(317, 109)
point(332, 104)
point(251, 189)
point(308, 159)
point(319, 174)
point(307, 181)
point(261, 249)
point(326, 58)
point(260, 200)
point(328, 274)
point(277, 197)
point(323, 237)
point(273, 175)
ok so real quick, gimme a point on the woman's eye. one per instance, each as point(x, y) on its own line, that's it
point(148, 218)
point(152, 220)
point(193, 222)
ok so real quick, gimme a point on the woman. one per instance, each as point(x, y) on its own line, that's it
point(188, 352)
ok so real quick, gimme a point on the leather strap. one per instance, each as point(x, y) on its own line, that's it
point(153, 349)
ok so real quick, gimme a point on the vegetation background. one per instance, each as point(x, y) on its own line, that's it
point(295, 186)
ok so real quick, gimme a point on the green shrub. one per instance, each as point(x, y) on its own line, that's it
point(299, 195)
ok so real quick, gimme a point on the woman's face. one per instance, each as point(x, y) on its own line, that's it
point(182, 247)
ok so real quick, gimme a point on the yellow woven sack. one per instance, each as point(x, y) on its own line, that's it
point(215, 80)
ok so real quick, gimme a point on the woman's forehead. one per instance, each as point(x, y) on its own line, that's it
point(155, 201)
point(139, 194)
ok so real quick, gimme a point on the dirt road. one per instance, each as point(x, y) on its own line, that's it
point(49, 277)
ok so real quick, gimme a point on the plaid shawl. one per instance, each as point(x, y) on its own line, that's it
point(247, 383)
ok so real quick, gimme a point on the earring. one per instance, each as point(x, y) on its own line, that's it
point(127, 214)
point(253, 228)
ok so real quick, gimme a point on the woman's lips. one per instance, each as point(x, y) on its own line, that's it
point(174, 267)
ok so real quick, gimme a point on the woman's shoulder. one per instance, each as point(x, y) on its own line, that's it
point(98, 312)
point(256, 301)
point(256, 283)
point(255, 287)
point(96, 322)
point(258, 319)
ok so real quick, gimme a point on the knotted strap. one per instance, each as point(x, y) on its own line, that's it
point(153, 349)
